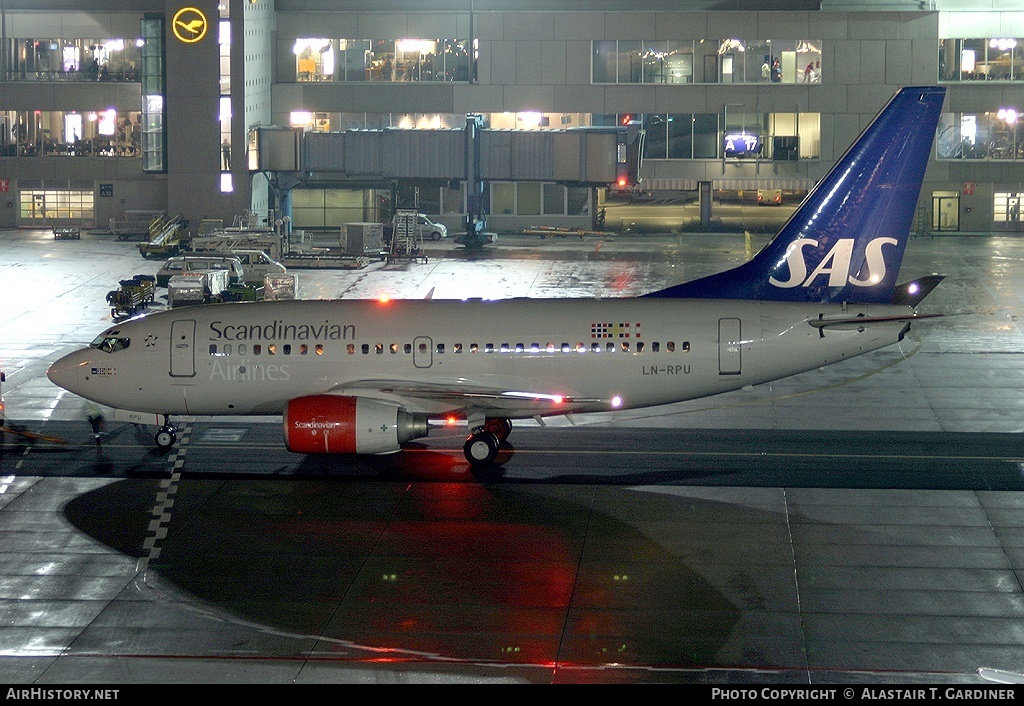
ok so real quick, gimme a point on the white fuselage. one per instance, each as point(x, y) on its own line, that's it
point(513, 358)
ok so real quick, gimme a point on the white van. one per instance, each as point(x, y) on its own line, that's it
point(200, 263)
point(425, 229)
point(257, 265)
point(429, 229)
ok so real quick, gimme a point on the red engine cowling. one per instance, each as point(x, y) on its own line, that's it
point(332, 424)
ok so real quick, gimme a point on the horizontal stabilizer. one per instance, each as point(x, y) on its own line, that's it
point(858, 321)
point(911, 293)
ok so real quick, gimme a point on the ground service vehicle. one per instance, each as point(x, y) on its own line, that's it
point(223, 243)
point(201, 263)
point(133, 296)
point(424, 228)
point(429, 229)
point(257, 265)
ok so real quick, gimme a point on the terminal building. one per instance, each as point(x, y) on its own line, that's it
point(109, 107)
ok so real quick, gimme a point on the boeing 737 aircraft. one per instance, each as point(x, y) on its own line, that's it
point(365, 377)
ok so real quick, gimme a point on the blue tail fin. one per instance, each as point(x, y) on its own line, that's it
point(845, 242)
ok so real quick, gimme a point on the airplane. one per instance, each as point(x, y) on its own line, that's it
point(368, 376)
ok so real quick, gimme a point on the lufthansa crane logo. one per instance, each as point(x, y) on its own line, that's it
point(189, 25)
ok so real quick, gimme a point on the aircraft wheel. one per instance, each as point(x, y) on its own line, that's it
point(499, 426)
point(166, 437)
point(481, 448)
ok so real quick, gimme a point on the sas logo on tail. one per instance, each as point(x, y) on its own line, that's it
point(835, 265)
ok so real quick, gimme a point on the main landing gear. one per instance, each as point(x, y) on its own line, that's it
point(166, 435)
point(484, 441)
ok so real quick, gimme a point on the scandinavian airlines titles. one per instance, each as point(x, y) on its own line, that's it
point(282, 330)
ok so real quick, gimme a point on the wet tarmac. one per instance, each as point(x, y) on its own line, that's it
point(855, 524)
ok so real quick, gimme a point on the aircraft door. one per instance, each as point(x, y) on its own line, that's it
point(183, 344)
point(729, 347)
point(422, 353)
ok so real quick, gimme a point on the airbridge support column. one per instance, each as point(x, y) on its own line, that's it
point(285, 211)
point(704, 195)
point(475, 217)
point(281, 185)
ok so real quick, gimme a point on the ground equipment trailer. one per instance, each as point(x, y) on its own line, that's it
point(169, 238)
point(132, 297)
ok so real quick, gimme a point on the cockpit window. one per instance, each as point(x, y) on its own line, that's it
point(110, 341)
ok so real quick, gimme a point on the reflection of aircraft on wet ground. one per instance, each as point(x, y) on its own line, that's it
point(367, 376)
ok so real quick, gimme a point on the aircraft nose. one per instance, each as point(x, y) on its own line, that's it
point(66, 372)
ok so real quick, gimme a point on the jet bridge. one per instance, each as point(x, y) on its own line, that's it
point(597, 156)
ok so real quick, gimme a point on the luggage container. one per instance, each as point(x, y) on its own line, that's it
point(277, 287)
point(363, 239)
point(191, 288)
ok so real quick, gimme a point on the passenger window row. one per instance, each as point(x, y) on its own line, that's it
point(269, 349)
point(422, 348)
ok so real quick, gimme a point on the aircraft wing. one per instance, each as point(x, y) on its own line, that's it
point(497, 397)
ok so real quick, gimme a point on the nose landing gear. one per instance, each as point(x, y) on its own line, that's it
point(166, 435)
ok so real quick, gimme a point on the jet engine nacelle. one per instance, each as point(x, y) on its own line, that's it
point(333, 424)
